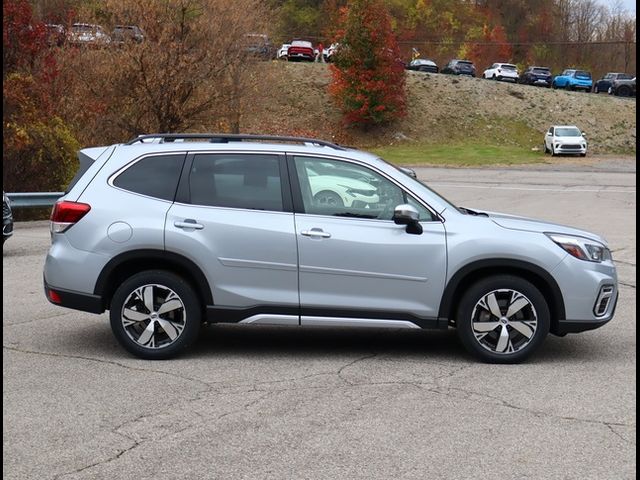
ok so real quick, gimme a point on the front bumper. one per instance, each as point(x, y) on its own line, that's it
point(577, 326)
point(581, 284)
point(567, 149)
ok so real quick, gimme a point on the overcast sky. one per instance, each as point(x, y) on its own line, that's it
point(630, 5)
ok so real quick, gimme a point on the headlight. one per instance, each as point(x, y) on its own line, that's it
point(582, 248)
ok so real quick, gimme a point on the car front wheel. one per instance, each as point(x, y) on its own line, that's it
point(327, 198)
point(155, 314)
point(502, 319)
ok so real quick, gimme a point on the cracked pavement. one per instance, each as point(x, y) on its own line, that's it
point(285, 403)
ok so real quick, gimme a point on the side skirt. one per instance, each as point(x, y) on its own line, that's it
point(287, 315)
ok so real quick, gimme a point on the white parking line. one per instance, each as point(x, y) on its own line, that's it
point(563, 190)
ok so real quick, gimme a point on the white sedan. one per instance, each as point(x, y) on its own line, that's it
point(565, 139)
point(501, 71)
point(341, 191)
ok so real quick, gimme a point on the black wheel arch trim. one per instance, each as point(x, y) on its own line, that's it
point(473, 270)
point(151, 259)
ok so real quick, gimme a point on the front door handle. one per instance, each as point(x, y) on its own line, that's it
point(316, 232)
point(189, 223)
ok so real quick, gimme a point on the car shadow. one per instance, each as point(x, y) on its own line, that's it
point(219, 342)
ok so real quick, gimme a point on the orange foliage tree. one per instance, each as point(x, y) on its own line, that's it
point(368, 79)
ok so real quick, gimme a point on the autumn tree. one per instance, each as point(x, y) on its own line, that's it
point(187, 74)
point(38, 146)
point(368, 79)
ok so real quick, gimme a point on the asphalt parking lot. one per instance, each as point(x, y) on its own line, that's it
point(288, 403)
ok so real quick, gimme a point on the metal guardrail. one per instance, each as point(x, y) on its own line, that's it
point(33, 199)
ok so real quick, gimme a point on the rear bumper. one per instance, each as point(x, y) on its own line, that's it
point(76, 300)
point(577, 86)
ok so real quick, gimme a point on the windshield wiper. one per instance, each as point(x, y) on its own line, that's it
point(472, 212)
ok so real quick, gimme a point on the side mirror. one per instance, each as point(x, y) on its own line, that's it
point(409, 171)
point(584, 134)
point(408, 215)
point(548, 134)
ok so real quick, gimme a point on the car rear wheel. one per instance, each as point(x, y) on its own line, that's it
point(624, 91)
point(502, 319)
point(595, 89)
point(155, 314)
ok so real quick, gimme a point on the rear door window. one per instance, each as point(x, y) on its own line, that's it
point(232, 180)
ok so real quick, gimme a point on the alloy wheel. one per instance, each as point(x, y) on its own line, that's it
point(504, 321)
point(153, 316)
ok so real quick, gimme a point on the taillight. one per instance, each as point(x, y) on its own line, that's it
point(66, 214)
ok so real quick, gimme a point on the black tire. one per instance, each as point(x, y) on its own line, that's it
point(185, 319)
point(327, 198)
point(583, 154)
point(553, 85)
point(553, 150)
point(595, 89)
point(623, 91)
point(501, 287)
point(544, 148)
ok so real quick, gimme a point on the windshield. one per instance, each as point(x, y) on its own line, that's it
point(296, 43)
point(567, 132)
point(541, 70)
point(581, 74)
point(509, 67)
point(465, 62)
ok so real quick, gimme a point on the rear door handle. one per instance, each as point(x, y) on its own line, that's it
point(316, 232)
point(189, 223)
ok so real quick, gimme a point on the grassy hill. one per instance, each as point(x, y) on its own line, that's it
point(454, 120)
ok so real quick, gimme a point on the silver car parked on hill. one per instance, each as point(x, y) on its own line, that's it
point(171, 230)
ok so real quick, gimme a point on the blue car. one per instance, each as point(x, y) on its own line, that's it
point(573, 80)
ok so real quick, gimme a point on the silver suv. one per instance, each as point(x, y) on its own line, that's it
point(171, 230)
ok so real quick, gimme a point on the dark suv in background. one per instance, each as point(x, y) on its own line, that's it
point(127, 33)
point(624, 87)
point(460, 67)
point(536, 76)
point(605, 82)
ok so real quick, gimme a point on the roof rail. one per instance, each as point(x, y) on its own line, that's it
point(228, 137)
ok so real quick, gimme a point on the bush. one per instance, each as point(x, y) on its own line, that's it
point(39, 151)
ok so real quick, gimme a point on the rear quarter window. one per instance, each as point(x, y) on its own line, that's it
point(156, 176)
